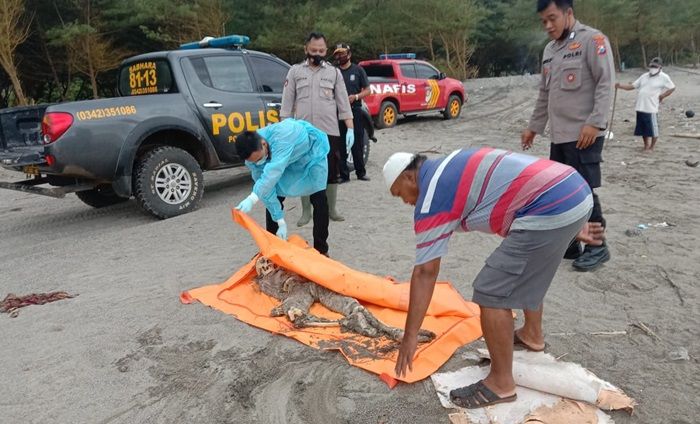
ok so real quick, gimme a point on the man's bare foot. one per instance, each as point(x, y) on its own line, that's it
point(502, 387)
point(528, 341)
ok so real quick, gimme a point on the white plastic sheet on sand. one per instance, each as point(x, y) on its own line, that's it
point(542, 381)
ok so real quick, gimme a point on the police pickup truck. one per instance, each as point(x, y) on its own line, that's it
point(400, 84)
point(178, 113)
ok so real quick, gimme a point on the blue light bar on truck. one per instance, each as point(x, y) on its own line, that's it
point(397, 56)
point(220, 42)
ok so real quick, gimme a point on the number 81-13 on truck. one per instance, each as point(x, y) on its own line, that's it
point(178, 113)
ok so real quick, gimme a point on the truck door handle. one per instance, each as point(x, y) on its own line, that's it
point(213, 105)
point(274, 105)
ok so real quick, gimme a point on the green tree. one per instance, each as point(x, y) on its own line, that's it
point(90, 51)
point(172, 23)
point(617, 19)
point(14, 30)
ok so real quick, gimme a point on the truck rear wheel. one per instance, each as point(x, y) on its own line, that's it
point(453, 108)
point(387, 115)
point(168, 182)
point(100, 197)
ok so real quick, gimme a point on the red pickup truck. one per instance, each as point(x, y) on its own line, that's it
point(400, 84)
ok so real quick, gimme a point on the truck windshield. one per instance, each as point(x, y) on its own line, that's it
point(146, 77)
point(381, 71)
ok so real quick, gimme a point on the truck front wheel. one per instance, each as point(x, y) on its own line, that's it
point(453, 108)
point(100, 197)
point(168, 182)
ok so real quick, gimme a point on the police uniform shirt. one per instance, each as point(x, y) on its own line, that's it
point(316, 95)
point(576, 85)
point(355, 80)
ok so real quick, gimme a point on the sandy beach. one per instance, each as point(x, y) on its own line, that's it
point(125, 350)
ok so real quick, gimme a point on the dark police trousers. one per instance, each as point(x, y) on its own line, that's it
point(320, 206)
point(357, 150)
point(335, 158)
point(587, 163)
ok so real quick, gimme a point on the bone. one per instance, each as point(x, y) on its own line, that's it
point(298, 294)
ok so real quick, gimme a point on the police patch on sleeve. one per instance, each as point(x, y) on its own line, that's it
point(599, 41)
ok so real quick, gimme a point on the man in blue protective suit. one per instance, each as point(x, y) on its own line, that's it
point(287, 159)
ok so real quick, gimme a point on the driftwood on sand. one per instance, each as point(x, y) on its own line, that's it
point(696, 136)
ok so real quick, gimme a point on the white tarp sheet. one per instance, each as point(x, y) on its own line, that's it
point(542, 385)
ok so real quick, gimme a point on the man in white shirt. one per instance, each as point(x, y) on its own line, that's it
point(654, 86)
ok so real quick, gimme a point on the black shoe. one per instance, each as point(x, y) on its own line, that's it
point(363, 178)
point(343, 180)
point(592, 258)
point(574, 251)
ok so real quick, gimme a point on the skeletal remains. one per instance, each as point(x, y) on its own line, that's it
point(298, 294)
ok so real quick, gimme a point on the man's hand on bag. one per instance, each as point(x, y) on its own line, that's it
point(349, 139)
point(282, 229)
point(404, 363)
point(247, 204)
point(587, 137)
point(527, 138)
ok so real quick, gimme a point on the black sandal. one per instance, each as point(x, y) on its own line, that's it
point(477, 395)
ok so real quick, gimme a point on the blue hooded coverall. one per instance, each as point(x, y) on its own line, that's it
point(296, 164)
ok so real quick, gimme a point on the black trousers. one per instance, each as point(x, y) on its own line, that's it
point(357, 150)
point(335, 158)
point(587, 163)
point(320, 207)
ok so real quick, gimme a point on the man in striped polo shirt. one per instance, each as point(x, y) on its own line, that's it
point(537, 205)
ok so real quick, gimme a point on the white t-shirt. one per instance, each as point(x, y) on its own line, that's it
point(650, 87)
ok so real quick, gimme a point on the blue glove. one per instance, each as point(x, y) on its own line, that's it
point(349, 139)
point(282, 230)
point(247, 204)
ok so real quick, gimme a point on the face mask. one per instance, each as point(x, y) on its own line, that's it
point(654, 71)
point(316, 59)
point(262, 161)
point(342, 60)
point(566, 31)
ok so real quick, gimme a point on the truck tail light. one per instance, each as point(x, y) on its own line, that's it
point(54, 125)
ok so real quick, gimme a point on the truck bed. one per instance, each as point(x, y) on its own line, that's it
point(21, 126)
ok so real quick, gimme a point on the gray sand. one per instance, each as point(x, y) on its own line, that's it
point(126, 351)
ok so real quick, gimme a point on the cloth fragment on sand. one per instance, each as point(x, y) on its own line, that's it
point(565, 411)
point(12, 303)
point(542, 383)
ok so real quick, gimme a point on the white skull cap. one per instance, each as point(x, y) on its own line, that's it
point(393, 167)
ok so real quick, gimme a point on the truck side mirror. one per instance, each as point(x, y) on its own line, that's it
point(442, 76)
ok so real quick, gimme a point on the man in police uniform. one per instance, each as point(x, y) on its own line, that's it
point(315, 92)
point(357, 84)
point(575, 96)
